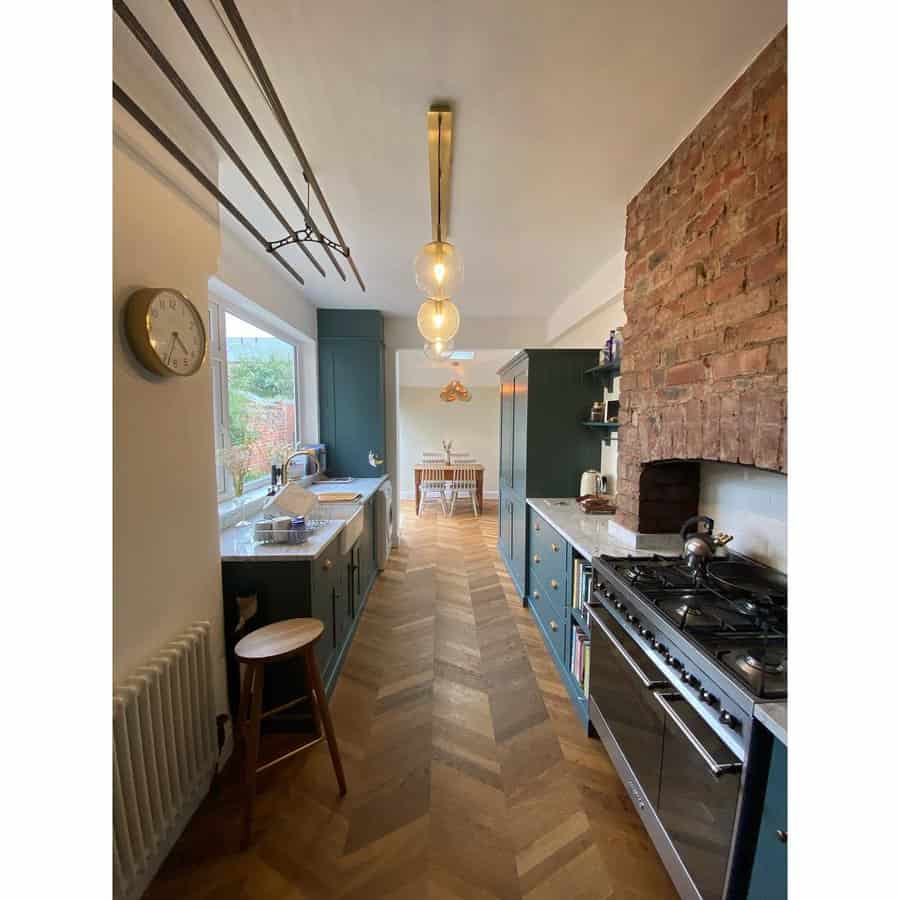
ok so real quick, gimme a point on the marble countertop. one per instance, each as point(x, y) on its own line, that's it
point(237, 545)
point(774, 716)
point(588, 534)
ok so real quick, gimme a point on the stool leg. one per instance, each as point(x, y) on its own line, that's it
point(243, 710)
point(251, 751)
point(323, 715)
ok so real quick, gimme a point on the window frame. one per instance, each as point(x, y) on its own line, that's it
point(218, 362)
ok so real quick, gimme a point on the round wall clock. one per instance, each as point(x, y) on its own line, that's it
point(165, 331)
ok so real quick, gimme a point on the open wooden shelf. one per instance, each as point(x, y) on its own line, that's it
point(606, 369)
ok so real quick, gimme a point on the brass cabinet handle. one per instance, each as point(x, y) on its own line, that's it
point(327, 564)
point(554, 583)
point(535, 594)
point(537, 526)
point(553, 625)
point(554, 548)
point(781, 835)
point(536, 558)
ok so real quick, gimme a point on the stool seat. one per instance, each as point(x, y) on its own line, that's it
point(280, 640)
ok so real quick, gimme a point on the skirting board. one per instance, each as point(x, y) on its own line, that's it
point(662, 543)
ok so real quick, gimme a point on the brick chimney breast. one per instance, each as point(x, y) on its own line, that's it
point(704, 364)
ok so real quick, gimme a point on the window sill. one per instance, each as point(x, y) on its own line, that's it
point(244, 507)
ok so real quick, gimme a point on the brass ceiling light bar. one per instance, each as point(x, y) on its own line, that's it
point(153, 129)
point(163, 64)
point(311, 232)
point(439, 265)
point(271, 95)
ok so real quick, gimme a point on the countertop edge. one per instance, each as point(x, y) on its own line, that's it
point(773, 715)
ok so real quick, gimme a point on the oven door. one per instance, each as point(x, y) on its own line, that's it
point(698, 794)
point(622, 681)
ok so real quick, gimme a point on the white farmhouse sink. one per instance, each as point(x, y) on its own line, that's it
point(352, 530)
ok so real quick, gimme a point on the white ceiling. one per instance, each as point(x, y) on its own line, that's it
point(563, 111)
point(414, 370)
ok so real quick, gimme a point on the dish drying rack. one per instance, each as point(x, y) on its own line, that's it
point(319, 517)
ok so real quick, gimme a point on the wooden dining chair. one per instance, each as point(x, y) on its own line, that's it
point(433, 483)
point(464, 481)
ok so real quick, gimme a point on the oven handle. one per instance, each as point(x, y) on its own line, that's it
point(717, 769)
point(645, 681)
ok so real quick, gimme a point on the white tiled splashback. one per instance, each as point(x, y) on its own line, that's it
point(751, 504)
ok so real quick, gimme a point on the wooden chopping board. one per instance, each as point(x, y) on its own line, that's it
point(339, 497)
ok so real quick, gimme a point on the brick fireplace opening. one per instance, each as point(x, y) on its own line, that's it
point(669, 494)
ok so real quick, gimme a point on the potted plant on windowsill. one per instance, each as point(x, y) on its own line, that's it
point(238, 459)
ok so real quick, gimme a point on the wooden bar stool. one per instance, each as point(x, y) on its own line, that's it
point(273, 643)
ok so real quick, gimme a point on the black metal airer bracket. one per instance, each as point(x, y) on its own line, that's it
point(307, 235)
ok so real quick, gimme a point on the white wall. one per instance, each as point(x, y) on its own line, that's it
point(474, 428)
point(167, 233)
point(750, 504)
point(592, 331)
point(166, 571)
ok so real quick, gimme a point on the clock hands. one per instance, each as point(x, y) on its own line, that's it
point(172, 347)
point(177, 337)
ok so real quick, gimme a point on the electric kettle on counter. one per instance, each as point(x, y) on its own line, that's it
point(592, 484)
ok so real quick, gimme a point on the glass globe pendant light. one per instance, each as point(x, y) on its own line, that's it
point(438, 320)
point(439, 350)
point(439, 270)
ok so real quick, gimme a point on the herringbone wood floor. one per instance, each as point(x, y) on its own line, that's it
point(469, 776)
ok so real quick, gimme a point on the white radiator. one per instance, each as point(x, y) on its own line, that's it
point(164, 756)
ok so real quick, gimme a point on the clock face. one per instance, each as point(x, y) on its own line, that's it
point(176, 334)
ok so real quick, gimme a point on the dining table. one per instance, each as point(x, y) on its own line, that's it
point(447, 469)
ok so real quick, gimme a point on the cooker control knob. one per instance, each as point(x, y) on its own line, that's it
point(631, 618)
point(645, 632)
point(659, 646)
point(608, 594)
point(674, 663)
point(707, 697)
point(692, 680)
point(726, 718)
point(601, 585)
point(619, 605)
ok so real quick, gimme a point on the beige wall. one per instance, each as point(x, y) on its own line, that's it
point(474, 427)
point(165, 533)
point(592, 331)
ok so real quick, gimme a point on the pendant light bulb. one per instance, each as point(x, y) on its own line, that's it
point(439, 270)
point(438, 320)
point(439, 350)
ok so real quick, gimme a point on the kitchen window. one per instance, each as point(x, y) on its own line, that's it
point(255, 391)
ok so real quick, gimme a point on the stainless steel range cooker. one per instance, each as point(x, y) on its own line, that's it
point(679, 657)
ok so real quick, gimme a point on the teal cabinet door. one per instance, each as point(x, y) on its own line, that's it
point(351, 405)
point(519, 543)
point(768, 880)
point(520, 429)
point(322, 608)
point(506, 431)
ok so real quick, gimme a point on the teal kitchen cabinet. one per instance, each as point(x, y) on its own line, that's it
point(351, 390)
point(331, 588)
point(545, 395)
point(768, 878)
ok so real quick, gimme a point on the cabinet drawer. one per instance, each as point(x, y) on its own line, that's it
point(552, 587)
point(547, 550)
point(553, 623)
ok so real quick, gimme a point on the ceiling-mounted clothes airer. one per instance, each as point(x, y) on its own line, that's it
point(439, 265)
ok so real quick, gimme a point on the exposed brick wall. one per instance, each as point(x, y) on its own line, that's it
point(704, 364)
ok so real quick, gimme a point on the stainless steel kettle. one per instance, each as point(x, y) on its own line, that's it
point(701, 546)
